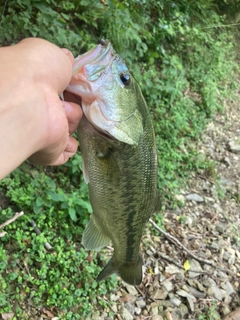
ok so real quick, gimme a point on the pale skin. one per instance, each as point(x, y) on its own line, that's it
point(34, 123)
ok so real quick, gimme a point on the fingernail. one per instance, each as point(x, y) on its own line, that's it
point(65, 50)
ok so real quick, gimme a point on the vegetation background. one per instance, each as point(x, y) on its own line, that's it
point(182, 53)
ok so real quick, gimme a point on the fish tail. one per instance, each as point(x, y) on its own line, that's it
point(130, 272)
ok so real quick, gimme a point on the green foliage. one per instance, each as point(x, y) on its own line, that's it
point(210, 313)
point(182, 55)
point(64, 277)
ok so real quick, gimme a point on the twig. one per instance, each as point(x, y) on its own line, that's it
point(176, 241)
point(17, 215)
point(38, 232)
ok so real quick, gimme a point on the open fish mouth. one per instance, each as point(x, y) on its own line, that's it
point(99, 54)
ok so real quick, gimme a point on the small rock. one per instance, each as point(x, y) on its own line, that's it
point(226, 183)
point(226, 311)
point(130, 308)
point(160, 294)
point(172, 269)
point(125, 314)
point(199, 286)
point(138, 310)
point(229, 288)
point(157, 317)
point(96, 317)
point(185, 294)
point(235, 315)
point(131, 290)
point(195, 269)
point(140, 303)
point(218, 209)
point(221, 228)
point(168, 285)
point(114, 297)
point(209, 199)
point(114, 307)
point(190, 303)
point(215, 292)
point(226, 161)
point(209, 282)
point(180, 312)
point(175, 301)
point(165, 304)
point(234, 146)
point(196, 293)
point(214, 246)
point(7, 316)
point(180, 198)
point(154, 311)
point(194, 197)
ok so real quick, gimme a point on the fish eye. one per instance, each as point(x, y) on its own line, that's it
point(125, 78)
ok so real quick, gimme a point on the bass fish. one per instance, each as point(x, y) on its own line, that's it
point(119, 156)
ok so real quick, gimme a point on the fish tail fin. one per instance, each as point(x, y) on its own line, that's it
point(93, 237)
point(130, 272)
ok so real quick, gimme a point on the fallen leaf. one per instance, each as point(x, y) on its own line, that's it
point(186, 265)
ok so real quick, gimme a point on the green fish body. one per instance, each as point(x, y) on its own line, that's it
point(119, 159)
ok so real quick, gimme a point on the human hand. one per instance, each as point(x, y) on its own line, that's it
point(34, 122)
point(63, 117)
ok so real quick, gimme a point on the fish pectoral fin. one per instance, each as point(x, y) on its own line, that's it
point(85, 171)
point(93, 237)
point(130, 272)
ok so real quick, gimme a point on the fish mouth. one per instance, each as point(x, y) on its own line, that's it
point(103, 42)
point(99, 54)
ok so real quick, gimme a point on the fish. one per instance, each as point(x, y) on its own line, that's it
point(119, 158)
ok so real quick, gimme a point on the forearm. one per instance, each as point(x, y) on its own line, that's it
point(19, 118)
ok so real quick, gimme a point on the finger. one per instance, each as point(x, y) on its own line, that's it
point(70, 150)
point(55, 63)
point(74, 114)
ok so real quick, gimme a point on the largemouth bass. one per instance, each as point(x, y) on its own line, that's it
point(119, 155)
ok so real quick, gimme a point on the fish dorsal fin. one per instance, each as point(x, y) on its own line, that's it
point(93, 238)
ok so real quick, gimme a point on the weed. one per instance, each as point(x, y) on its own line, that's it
point(210, 312)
